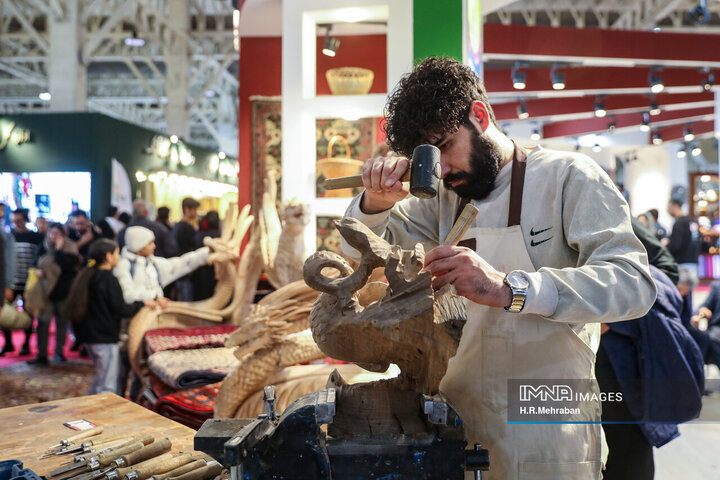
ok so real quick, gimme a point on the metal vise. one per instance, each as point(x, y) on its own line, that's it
point(294, 446)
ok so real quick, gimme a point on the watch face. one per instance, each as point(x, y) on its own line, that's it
point(518, 281)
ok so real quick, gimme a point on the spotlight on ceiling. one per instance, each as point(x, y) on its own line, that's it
point(600, 109)
point(696, 150)
point(688, 134)
point(645, 127)
point(522, 111)
point(331, 43)
point(611, 127)
point(557, 78)
point(597, 148)
point(708, 83)
point(518, 78)
point(133, 40)
point(699, 14)
point(655, 108)
point(535, 136)
point(656, 84)
point(681, 153)
point(657, 138)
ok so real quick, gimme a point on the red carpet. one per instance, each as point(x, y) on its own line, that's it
point(18, 337)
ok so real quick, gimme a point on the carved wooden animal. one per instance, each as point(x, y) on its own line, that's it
point(282, 242)
point(407, 323)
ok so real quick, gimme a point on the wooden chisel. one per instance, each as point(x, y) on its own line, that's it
point(211, 470)
point(152, 450)
point(105, 447)
point(100, 444)
point(166, 465)
point(120, 472)
point(99, 460)
point(193, 465)
point(80, 436)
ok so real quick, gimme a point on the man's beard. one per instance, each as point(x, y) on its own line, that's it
point(485, 159)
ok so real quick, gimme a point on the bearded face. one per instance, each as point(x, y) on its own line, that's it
point(485, 159)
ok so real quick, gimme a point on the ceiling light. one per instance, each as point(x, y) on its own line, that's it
point(596, 148)
point(681, 153)
point(611, 127)
point(134, 41)
point(645, 127)
point(688, 134)
point(518, 78)
point(708, 83)
point(705, 178)
point(140, 176)
point(222, 155)
point(522, 111)
point(656, 84)
point(696, 151)
point(557, 79)
point(331, 43)
point(45, 96)
point(657, 138)
point(535, 136)
point(600, 109)
point(173, 139)
point(654, 108)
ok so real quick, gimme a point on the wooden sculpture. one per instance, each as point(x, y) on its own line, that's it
point(406, 323)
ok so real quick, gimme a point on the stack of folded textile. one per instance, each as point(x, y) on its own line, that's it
point(186, 366)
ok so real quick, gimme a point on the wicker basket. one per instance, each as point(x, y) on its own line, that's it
point(349, 80)
point(332, 167)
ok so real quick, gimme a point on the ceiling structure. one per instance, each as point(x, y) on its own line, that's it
point(608, 51)
point(167, 65)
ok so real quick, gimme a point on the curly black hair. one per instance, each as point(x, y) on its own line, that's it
point(434, 99)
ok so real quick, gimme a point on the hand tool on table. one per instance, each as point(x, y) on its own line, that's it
point(87, 445)
point(423, 174)
point(153, 450)
point(143, 472)
point(98, 460)
point(79, 436)
point(211, 470)
point(105, 447)
point(194, 464)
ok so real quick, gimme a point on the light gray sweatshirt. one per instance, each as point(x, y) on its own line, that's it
point(592, 268)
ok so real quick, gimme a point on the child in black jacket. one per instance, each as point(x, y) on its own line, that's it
point(96, 305)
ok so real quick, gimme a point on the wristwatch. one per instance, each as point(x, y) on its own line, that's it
point(518, 283)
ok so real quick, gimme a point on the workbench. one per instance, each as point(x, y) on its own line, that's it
point(28, 430)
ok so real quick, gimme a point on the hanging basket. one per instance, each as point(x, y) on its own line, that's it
point(332, 167)
point(349, 80)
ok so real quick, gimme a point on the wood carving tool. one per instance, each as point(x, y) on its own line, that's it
point(97, 461)
point(152, 450)
point(80, 436)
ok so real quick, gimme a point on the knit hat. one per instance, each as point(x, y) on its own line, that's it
point(137, 238)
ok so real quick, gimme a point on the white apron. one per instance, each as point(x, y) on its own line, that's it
point(497, 346)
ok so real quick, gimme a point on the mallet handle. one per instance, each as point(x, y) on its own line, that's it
point(354, 181)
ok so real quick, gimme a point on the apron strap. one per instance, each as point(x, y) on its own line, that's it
point(517, 183)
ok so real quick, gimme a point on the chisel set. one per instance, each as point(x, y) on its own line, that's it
point(123, 457)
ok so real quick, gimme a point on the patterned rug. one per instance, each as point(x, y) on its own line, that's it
point(21, 383)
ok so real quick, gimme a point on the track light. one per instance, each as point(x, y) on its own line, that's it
point(681, 153)
point(331, 43)
point(708, 83)
point(600, 109)
point(518, 78)
point(557, 79)
point(535, 136)
point(696, 151)
point(688, 134)
point(611, 127)
point(522, 111)
point(657, 138)
point(656, 84)
point(645, 127)
point(654, 108)
point(597, 148)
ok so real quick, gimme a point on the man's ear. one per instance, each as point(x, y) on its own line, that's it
point(479, 111)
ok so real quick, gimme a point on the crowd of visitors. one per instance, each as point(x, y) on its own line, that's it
point(91, 278)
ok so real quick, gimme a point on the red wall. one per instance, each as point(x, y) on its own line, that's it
point(261, 74)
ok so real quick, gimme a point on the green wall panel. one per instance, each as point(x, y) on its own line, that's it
point(437, 29)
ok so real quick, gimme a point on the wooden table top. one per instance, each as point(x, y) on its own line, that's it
point(28, 430)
